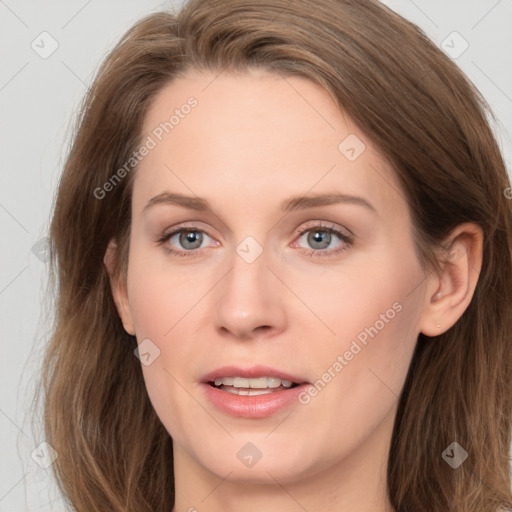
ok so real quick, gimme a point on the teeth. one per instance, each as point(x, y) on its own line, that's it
point(220, 381)
point(254, 383)
point(247, 392)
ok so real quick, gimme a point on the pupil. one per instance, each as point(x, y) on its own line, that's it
point(319, 237)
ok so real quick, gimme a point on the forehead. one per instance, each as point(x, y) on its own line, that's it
point(258, 135)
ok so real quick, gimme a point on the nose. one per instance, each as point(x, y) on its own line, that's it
point(250, 301)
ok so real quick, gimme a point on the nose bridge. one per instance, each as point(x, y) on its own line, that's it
point(248, 298)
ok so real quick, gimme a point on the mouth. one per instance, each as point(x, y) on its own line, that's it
point(253, 393)
point(254, 386)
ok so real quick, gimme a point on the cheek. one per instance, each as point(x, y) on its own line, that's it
point(164, 304)
point(361, 362)
point(161, 293)
point(371, 300)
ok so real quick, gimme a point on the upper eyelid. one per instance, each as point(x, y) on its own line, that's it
point(190, 225)
point(327, 226)
point(305, 226)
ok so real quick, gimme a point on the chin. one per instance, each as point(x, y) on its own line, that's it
point(259, 458)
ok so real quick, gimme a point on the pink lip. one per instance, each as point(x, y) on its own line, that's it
point(251, 407)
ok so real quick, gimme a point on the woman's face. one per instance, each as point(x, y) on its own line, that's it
point(293, 284)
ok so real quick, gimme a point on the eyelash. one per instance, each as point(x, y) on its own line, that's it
point(347, 240)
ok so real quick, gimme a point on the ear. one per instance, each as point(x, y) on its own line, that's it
point(118, 287)
point(450, 292)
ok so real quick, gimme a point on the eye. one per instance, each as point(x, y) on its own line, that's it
point(184, 241)
point(320, 240)
point(323, 240)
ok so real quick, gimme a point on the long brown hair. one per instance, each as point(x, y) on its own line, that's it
point(431, 124)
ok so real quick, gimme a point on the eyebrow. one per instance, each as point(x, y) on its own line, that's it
point(291, 204)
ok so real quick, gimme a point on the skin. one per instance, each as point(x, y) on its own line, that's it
point(254, 140)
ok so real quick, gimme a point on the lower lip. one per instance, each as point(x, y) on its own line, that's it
point(252, 407)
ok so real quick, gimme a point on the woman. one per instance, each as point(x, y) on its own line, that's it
point(282, 248)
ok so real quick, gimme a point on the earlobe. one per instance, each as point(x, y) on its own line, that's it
point(450, 292)
point(118, 288)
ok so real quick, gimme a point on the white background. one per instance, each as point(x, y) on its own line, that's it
point(38, 101)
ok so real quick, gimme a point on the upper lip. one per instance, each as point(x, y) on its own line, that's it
point(251, 372)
